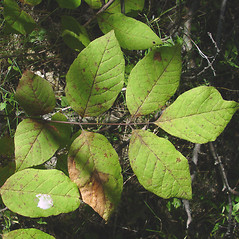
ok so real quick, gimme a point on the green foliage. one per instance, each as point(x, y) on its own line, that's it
point(159, 167)
point(17, 19)
point(130, 5)
point(35, 94)
point(131, 34)
point(159, 73)
point(199, 115)
point(69, 4)
point(36, 142)
point(95, 4)
point(96, 77)
point(40, 193)
point(32, 2)
point(74, 35)
point(27, 234)
point(93, 82)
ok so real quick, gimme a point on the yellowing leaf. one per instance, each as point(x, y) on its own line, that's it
point(131, 34)
point(159, 167)
point(198, 115)
point(93, 165)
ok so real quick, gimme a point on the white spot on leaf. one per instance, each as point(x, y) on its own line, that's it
point(45, 201)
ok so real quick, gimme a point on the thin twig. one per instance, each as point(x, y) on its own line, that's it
point(186, 204)
point(100, 11)
point(4, 209)
point(83, 123)
point(218, 161)
point(226, 187)
point(188, 211)
point(196, 151)
point(93, 123)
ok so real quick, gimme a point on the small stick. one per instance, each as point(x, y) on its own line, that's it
point(100, 11)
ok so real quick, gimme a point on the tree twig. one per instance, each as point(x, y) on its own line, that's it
point(218, 161)
point(186, 204)
point(100, 11)
point(226, 187)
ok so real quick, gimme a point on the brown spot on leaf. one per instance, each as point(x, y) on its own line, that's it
point(93, 193)
point(73, 171)
point(178, 160)
point(97, 88)
point(106, 155)
point(83, 69)
point(157, 56)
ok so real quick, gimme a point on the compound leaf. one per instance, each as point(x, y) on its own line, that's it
point(35, 94)
point(17, 20)
point(40, 193)
point(153, 80)
point(159, 167)
point(131, 34)
point(30, 233)
point(96, 77)
point(35, 142)
point(70, 4)
point(93, 165)
point(198, 115)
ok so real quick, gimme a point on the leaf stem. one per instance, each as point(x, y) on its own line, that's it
point(94, 123)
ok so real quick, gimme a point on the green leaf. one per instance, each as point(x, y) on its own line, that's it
point(95, 4)
point(153, 80)
point(7, 166)
point(96, 77)
point(31, 2)
point(72, 40)
point(16, 19)
point(40, 193)
point(131, 34)
point(198, 115)
point(62, 132)
point(31, 233)
point(61, 164)
point(94, 166)
point(35, 143)
point(130, 5)
point(70, 4)
point(159, 167)
point(74, 35)
point(35, 94)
